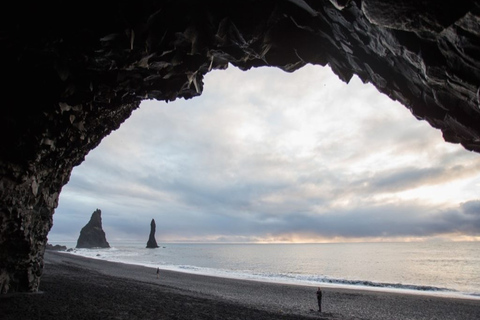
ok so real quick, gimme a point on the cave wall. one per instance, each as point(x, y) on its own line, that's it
point(74, 71)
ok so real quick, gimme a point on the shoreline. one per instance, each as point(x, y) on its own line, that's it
point(441, 292)
point(77, 287)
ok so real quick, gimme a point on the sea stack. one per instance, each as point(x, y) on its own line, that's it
point(152, 243)
point(92, 235)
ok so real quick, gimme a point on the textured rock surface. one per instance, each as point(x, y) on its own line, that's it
point(152, 242)
point(92, 235)
point(74, 71)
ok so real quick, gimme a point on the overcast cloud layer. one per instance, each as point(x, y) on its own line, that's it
point(266, 155)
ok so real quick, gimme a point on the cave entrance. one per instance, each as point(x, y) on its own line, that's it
point(268, 156)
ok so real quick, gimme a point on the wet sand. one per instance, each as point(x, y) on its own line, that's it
point(74, 287)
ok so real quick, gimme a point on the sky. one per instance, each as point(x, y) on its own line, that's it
point(270, 156)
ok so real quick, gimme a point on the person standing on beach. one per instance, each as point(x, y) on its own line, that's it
point(158, 272)
point(319, 299)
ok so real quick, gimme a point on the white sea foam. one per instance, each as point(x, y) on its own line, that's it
point(415, 268)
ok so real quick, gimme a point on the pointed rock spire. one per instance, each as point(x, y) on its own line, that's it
point(92, 235)
point(152, 243)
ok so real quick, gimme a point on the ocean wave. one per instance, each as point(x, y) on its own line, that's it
point(308, 279)
point(315, 279)
point(191, 268)
point(374, 284)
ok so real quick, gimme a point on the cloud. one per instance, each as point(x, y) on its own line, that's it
point(271, 155)
point(411, 177)
point(471, 208)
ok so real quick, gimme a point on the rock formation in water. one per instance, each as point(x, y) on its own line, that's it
point(74, 71)
point(56, 247)
point(152, 242)
point(92, 235)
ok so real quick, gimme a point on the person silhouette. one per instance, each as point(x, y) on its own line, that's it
point(158, 272)
point(319, 299)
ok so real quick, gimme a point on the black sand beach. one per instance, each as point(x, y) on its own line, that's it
point(74, 287)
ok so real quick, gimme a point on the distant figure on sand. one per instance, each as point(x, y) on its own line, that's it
point(319, 299)
point(158, 272)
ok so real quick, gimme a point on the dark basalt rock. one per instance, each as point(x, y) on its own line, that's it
point(56, 247)
point(74, 71)
point(152, 242)
point(92, 235)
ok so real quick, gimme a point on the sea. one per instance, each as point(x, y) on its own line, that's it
point(450, 269)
